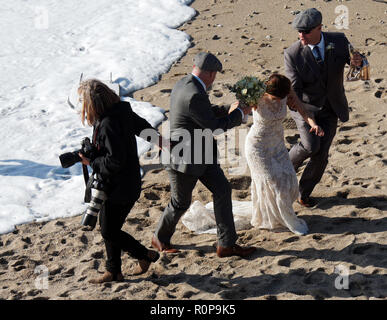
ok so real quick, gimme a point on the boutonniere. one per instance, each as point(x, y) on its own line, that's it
point(330, 46)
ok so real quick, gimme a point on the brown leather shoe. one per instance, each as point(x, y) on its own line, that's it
point(107, 277)
point(144, 264)
point(235, 250)
point(162, 247)
point(306, 202)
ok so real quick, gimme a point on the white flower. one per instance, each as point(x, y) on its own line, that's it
point(330, 46)
point(249, 90)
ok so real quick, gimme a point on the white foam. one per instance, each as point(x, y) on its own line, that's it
point(45, 46)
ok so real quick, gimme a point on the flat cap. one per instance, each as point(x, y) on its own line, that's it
point(307, 20)
point(207, 61)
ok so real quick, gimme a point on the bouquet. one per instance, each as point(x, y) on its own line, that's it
point(249, 90)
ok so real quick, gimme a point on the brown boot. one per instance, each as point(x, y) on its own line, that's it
point(108, 277)
point(143, 264)
point(235, 250)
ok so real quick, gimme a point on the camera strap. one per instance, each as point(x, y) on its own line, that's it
point(88, 187)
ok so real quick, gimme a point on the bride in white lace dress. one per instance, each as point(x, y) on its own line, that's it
point(274, 185)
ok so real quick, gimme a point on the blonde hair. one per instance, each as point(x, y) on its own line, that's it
point(96, 98)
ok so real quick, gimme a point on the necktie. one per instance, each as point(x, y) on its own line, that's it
point(317, 55)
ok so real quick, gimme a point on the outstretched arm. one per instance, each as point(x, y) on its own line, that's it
point(295, 104)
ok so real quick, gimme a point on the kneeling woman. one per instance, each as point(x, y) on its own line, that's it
point(115, 126)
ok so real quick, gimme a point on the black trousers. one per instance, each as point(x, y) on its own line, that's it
point(182, 186)
point(111, 219)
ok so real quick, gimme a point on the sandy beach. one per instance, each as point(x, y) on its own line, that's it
point(347, 226)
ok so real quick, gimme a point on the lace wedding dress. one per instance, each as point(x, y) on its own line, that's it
point(274, 185)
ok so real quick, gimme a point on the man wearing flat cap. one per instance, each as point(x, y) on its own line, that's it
point(191, 115)
point(315, 66)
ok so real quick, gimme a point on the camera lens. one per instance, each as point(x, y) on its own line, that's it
point(90, 216)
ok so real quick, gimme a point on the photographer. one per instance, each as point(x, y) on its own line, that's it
point(116, 162)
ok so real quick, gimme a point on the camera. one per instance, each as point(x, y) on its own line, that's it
point(94, 185)
point(98, 196)
point(68, 159)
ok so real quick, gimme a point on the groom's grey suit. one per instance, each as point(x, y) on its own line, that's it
point(322, 87)
point(191, 110)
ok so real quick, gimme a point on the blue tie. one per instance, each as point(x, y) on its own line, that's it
point(317, 55)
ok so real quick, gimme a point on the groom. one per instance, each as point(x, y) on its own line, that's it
point(191, 113)
point(315, 66)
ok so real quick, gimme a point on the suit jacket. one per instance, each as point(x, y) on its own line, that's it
point(315, 85)
point(193, 121)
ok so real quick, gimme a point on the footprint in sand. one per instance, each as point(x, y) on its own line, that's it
point(344, 141)
point(97, 255)
point(370, 42)
point(217, 94)
point(342, 194)
point(151, 196)
point(7, 253)
point(355, 126)
point(240, 183)
point(286, 262)
point(380, 93)
point(290, 240)
point(188, 294)
point(317, 237)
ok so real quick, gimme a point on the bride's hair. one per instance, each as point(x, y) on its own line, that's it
point(278, 85)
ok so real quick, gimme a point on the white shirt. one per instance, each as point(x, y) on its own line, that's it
point(205, 89)
point(321, 47)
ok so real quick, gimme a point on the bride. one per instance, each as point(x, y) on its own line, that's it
point(274, 185)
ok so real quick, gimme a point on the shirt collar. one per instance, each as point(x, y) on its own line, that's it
point(320, 45)
point(201, 82)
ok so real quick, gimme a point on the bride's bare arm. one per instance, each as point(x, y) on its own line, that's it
point(295, 104)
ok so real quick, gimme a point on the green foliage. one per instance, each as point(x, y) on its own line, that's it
point(249, 90)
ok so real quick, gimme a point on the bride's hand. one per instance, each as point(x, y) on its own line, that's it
point(318, 131)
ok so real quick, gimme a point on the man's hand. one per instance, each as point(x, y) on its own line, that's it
point(233, 106)
point(245, 109)
point(318, 131)
point(356, 59)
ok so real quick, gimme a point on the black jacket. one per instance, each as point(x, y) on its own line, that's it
point(117, 161)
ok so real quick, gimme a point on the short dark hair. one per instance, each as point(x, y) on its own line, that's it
point(278, 85)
